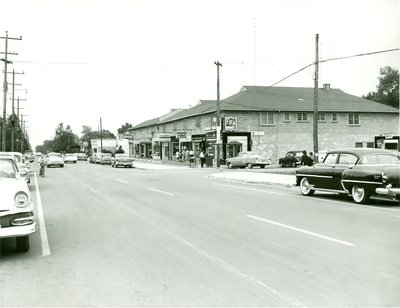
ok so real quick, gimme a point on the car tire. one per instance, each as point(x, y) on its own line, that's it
point(22, 243)
point(229, 165)
point(249, 166)
point(359, 194)
point(262, 166)
point(305, 187)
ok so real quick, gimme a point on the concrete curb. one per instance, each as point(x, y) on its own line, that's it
point(256, 178)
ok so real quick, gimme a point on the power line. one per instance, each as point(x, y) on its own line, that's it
point(359, 55)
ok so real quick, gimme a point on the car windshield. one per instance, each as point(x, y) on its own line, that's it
point(70, 155)
point(55, 155)
point(7, 169)
point(379, 159)
point(121, 155)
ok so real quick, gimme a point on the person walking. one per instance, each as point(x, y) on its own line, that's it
point(202, 159)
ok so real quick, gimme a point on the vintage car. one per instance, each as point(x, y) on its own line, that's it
point(16, 207)
point(70, 158)
point(248, 159)
point(361, 172)
point(54, 159)
point(105, 158)
point(291, 159)
point(23, 166)
point(122, 160)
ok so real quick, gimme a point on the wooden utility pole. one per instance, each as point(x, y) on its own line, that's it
point(101, 137)
point(5, 87)
point(12, 109)
point(315, 116)
point(218, 143)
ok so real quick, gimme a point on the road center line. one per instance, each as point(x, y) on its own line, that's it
point(42, 224)
point(160, 191)
point(302, 231)
point(121, 181)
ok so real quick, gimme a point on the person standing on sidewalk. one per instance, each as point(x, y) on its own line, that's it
point(202, 159)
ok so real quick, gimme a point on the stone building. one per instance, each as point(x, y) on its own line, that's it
point(270, 120)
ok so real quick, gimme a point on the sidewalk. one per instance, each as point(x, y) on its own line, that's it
point(270, 175)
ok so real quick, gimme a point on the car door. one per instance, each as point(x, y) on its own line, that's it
point(324, 173)
point(345, 161)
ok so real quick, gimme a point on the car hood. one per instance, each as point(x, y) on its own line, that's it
point(8, 189)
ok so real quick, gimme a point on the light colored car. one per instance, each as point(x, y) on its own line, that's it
point(23, 167)
point(122, 160)
point(16, 206)
point(248, 159)
point(54, 159)
point(70, 158)
point(81, 156)
point(105, 158)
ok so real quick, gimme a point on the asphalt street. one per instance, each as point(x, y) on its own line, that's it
point(175, 236)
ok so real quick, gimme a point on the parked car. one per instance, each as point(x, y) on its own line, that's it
point(122, 160)
point(249, 160)
point(105, 158)
point(16, 207)
point(54, 159)
point(81, 156)
point(70, 158)
point(292, 159)
point(92, 159)
point(23, 167)
point(361, 172)
point(97, 157)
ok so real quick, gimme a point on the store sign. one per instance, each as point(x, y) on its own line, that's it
point(185, 139)
point(180, 135)
point(212, 135)
point(258, 133)
point(231, 123)
point(165, 139)
point(163, 135)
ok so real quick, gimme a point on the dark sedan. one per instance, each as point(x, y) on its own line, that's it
point(292, 159)
point(361, 172)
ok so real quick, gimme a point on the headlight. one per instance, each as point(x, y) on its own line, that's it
point(21, 199)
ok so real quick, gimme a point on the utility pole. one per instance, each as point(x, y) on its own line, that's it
point(12, 108)
point(315, 115)
point(218, 117)
point(5, 87)
point(101, 137)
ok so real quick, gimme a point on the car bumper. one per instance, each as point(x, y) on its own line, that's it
point(16, 231)
point(388, 190)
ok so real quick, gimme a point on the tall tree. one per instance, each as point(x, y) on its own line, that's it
point(124, 128)
point(388, 88)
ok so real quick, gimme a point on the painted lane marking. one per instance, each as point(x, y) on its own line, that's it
point(121, 181)
point(302, 231)
point(160, 191)
point(42, 224)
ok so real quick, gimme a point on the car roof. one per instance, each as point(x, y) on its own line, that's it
point(362, 151)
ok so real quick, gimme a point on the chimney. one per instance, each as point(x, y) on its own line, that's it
point(327, 86)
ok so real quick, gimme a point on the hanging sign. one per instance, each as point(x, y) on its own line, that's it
point(231, 123)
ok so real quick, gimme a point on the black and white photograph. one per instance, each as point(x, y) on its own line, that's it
point(199, 153)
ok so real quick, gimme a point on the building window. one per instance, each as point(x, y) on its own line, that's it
point(163, 128)
point(174, 126)
point(334, 117)
point(184, 124)
point(267, 118)
point(287, 117)
point(198, 122)
point(370, 144)
point(359, 144)
point(321, 116)
point(302, 116)
point(354, 119)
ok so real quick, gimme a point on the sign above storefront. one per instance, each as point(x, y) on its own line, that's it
point(230, 124)
point(258, 133)
point(180, 135)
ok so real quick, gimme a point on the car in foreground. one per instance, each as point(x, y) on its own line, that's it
point(360, 172)
point(248, 159)
point(16, 206)
point(105, 158)
point(70, 158)
point(122, 160)
point(54, 159)
point(291, 159)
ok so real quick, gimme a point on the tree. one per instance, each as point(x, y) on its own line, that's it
point(388, 88)
point(124, 128)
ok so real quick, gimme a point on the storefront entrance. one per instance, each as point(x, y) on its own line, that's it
point(233, 148)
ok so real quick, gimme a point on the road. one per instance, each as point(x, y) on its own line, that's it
point(175, 237)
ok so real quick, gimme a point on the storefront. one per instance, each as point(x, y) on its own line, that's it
point(235, 142)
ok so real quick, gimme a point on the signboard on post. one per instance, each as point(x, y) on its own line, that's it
point(231, 123)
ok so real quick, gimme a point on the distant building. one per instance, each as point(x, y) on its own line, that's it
point(107, 145)
point(270, 121)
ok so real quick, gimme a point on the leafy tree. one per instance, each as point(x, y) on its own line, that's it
point(88, 134)
point(124, 128)
point(388, 88)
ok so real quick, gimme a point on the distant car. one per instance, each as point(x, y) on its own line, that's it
point(92, 159)
point(81, 156)
point(122, 160)
point(70, 158)
point(360, 172)
point(292, 159)
point(97, 157)
point(16, 207)
point(54, 159)
point(105, 158)
point(248, 159)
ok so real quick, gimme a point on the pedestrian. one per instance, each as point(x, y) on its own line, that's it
point(311, 158)
point(306, 160)
point(177, 156)
point(191, 158)
point(202, 158)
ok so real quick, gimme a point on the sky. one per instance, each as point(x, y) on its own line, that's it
point(127, 61)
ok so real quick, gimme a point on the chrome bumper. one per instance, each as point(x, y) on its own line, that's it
point(388, 190)
point(16, 231)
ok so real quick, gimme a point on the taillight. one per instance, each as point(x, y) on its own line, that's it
point(21, 199)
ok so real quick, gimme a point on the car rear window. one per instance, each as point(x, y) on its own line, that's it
point(7, 169)
point(379, 159)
